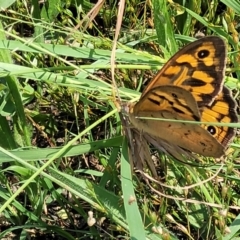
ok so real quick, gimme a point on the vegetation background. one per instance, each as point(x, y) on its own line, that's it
point(64, 167)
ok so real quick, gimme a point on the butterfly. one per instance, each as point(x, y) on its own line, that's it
point(189, 87)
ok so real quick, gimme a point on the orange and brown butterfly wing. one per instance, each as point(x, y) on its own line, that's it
point(199, 68)
point(173, 102)
point(190, 87)
point(169, 98)
point(223, 110)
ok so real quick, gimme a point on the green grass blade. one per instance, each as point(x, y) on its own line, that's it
point(134, 219)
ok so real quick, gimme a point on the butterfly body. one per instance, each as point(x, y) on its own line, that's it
point(189, 88)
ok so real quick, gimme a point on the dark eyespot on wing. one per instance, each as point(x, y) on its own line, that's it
point(203, 54)
point(212, 130)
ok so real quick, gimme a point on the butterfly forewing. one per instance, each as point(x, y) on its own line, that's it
point(199, 68)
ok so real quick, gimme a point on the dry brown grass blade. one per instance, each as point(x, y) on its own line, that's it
point(186, 187)
point(88, 18)
point(91, 14)
point(183, 199)
point(121, 6)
